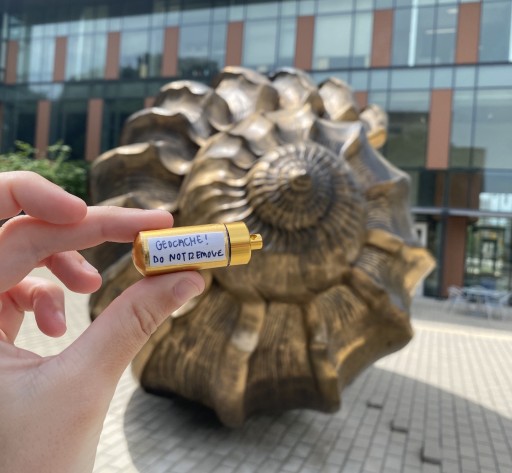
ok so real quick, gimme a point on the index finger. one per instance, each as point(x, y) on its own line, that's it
point(37, 197)
point(25, 241)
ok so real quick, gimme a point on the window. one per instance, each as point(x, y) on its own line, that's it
point(331, 47)
point(134, 57)
point(422, 40)
point(196, 12)
point(363, 30)
point(24, 122)
point(156, 50)
point(262, 9)
point(401, 37)
point(193, 56)
point(445, 34)
point(86, 56)
point(408, 128)
point(495, 32)
point(334, 6)
point(260, 39)
point(493, 122)
point(69, 122)
point(218, 46)
point(424, 35)
point(462, 128)
point(286, 48)
point(35, 60)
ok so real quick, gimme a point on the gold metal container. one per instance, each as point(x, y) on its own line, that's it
point(194, 248)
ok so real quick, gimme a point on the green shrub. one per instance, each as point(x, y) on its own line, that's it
point(70, 175)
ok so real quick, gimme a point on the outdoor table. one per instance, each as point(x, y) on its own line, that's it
point(485, 299)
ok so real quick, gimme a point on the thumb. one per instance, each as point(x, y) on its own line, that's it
point(111, 342)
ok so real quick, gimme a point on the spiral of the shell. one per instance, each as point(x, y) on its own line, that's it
point(330, 292)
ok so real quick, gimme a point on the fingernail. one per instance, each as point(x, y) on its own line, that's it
point(186, 290)
point(60, 317)
point(88, 267)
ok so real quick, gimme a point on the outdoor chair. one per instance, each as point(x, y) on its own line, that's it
point(498, 306)
point(455, 296)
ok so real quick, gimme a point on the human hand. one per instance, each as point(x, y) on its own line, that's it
point(52, 409)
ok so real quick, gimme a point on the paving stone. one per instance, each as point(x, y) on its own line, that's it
point(431, 452)
point(400, 424)
point(444, 389)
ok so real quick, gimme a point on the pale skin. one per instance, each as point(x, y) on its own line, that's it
point(52, 409)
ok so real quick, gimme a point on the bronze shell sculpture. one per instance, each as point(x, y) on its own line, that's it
point(330, 292)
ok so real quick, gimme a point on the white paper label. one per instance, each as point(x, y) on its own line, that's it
point(186, 249)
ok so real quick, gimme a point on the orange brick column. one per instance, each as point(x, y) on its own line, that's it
point(382, 39)
point(234, 43)
point(42, 132)
point(59, 67)
point(454, 253)
point(439, 129)
point(93, 132)
point(11, 62)
point(113, 52)
point(170, 54)
point(304, 42)
point(468, 33)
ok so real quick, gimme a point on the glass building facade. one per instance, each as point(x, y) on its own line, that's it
point(442, 69)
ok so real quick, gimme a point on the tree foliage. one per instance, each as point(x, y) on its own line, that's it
point(56, 167)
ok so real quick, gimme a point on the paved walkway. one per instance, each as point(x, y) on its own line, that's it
point(443, 404)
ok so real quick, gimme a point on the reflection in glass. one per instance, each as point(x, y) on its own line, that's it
point(218, 52)
point(446, 31)
point(493, 122)
point(173, 12)
point(423, 40)
point(465, 76)
point(306, 7)
point(331, 48)
point(401, 37)
point(359, 80)
point(443, 78)
point(363, 30)
point(462, 128)
point(68, 123)
point(259, 50)
point(334, 6)
point(286, 47)
point(193, 54)
point(86, 57)
point(35, 60)
point(288, 7)
point(406, 79)
point(196, 12)
point(24, 123)
point(379, 80)
point(364, 4)
point(488, 253)
point(424, 35)
point(408, 128)
point(156, 46)
point(159, 13)
point(256, 10)
point(220, 13)
point(135, 22)
point(236, 10)
point(494, 76)
point(495, 32)
point(134, 55)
